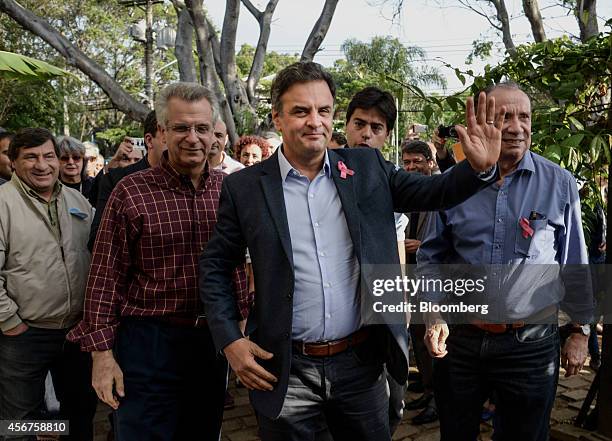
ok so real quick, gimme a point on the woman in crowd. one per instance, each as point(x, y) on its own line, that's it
point(250, 150)
point(73, 165)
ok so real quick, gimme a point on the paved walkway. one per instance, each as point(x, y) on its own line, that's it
point(240, 424)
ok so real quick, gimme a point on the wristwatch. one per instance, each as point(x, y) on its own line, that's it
point(581, 329)
point(487, 174)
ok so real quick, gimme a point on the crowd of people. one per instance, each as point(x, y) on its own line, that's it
point(141, 282)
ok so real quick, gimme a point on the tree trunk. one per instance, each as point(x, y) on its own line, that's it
point(235, 91)
point(504, 20)
point(183, 45)
point(265, 20)
point(586, 14)
point(532, 11)
point(208, 75)
point(75, 57)
point(317, 35)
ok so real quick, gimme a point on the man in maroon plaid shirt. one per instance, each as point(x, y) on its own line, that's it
point(154, 361)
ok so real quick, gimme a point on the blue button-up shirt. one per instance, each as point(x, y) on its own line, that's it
point(485, 230)
point(325, 301)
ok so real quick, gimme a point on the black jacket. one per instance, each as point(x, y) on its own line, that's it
point(107, 183)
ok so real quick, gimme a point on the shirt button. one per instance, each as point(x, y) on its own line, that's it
point(316, 224)
point(289, 296)
point(500, 220)
point(496, 245)
point(322, 254)
point(287, 335)
point(311, 195)
point(328, 285)
point(328, 315)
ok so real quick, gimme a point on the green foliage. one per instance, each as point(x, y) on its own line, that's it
point(481, 49)
point(273, 61)
point(29, 104)
point(386, 63)
point(109, 138)
point(100, 30)
point(19, 66)
point(569, 84)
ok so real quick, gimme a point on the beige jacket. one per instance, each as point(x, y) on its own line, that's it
point(42, 279)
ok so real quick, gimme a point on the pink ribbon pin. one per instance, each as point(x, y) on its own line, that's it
point(527, 230)
point(344, 170)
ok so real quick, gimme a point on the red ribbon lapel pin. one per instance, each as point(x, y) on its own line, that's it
point(344, 170)
point(527, 230)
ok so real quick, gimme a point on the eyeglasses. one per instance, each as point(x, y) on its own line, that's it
point(184, 129)
point(67, 158)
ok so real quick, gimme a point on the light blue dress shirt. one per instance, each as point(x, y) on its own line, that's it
point(325, 301)
point(485, 230)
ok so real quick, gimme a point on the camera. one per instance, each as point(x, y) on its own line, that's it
point(419, 128)
point(138, 143)
point(447, 132)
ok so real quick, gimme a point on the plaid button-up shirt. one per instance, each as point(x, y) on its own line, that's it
point(145, 259)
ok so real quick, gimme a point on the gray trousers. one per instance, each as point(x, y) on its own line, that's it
point(341, 391)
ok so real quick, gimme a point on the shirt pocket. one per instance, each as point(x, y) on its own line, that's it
point(532, 246)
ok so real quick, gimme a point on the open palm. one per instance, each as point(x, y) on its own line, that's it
point(481, 141)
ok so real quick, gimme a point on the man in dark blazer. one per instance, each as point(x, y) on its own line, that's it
point(310, 218)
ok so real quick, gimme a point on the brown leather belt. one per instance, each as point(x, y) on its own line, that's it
point(546, 315)
point(332, 347)
point(183, 322)
point(497, 328)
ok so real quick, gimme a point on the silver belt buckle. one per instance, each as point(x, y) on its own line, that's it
point(198, 318)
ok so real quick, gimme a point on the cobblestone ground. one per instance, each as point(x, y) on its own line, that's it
point(240, 424)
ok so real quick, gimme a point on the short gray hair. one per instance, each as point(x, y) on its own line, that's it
point(69, 145)
point(190, 92)
point(505, 85)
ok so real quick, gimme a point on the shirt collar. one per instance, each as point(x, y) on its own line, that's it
point(175, 178)
point(526, 163)
point(286, 167)
point(57, 187)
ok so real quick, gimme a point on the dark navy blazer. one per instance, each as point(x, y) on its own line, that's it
point(252, 214)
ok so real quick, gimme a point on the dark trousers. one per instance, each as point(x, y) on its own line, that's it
point(348, 393)
point(174, 381)
point(521, 367)
point(424, 361)
point(25, 361)
point(396, 392)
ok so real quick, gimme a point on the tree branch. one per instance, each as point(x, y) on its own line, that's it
point(481, 13)
point(532, 11)
point(252, 9)
point(208, 75)
point(586, 14)
point(183, 45)
point(317, 35)
point(502, 16)
point(228, 37)
point(76, 58)
point(265, 21)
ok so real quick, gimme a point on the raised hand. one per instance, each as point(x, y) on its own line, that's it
point(481, 141)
